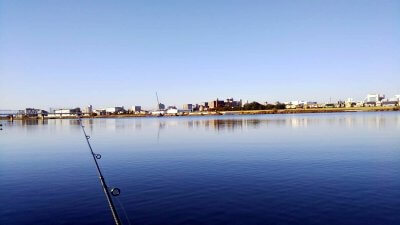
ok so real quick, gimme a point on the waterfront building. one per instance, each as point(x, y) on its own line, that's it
point(172, 111)
point(203, 108)
point(360, 104)
point(298, 104)
point(311, 105)
point(301, 104)
point(175, 111)
point(340, 104)
point(158, 113)
point(349, 103)
point(330, 105)
point(161, 106)
point(289, 105)
point(370, 104)
point(115, 110)
point(88, 110)
point(195, 108)
point(31, 112)
point(374, 97)
point(172, 107)
point(188, 107)
point(42, 113)
point(100, 112)
point(395, 98)
point(390, 103)
point(67, 112)
point(216, 104)
point(232, 103)
point(136, 108)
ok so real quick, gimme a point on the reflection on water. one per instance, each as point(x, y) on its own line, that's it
point(233, 123)
point(339, 168)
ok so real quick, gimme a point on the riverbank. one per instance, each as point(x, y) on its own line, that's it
point(242, 112)
point(315, 110)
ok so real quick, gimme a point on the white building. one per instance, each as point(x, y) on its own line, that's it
point(374, 98)
point(172, 111)
point(136, 108)
point(188, 107)
point(390, 103)
point(88, 110)
point(296, 104)
point(350, 103)
point(100, 112)
point(359, 104)
point(158, 113)
point(311, 105)
point(177, 111)
point(112, 110)
point(395, 101)
point(67, 112)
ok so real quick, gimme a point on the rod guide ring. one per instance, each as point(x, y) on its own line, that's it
point(115, 191)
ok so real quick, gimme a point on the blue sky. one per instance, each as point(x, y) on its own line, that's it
point(106, 53)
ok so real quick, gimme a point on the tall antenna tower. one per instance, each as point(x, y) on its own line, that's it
point(158, 102)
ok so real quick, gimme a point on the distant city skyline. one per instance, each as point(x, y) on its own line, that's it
point(213, 103)
point(74, 53)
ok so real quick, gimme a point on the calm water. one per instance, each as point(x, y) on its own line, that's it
point(270, 169)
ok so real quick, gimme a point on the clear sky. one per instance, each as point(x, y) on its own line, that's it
point(109, 53)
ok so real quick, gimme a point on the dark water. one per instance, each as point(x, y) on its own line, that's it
point(269, 169)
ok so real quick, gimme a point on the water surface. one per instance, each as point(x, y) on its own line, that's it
point(339, 168)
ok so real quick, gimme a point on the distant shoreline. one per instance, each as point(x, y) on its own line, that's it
point(241, 112)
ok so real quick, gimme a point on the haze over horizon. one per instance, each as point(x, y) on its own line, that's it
point(75, 53)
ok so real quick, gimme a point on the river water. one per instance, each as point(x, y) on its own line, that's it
point(337, 168)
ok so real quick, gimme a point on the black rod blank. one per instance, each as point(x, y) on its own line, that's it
point(102, 180)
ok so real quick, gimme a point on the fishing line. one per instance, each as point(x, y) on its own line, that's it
point(108, 192)
point(123, 209)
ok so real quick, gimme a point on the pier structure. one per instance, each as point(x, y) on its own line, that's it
point(11, 114)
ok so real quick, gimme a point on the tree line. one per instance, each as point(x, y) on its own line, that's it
point(252, 106)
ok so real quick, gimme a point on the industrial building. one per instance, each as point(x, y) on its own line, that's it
point(88, 110)
point(349, 103)
point(100, 112)
point(390, 103)
point(67, 112)
point(115, 110)
point(216, 104)
point(374, 98)
point(188, 107)
point(31, 112)
point(136, 108)
point(230, 102)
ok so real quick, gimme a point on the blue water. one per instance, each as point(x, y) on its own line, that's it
point(341, 168)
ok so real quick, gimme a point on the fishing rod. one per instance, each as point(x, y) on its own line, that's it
point(107, 192)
